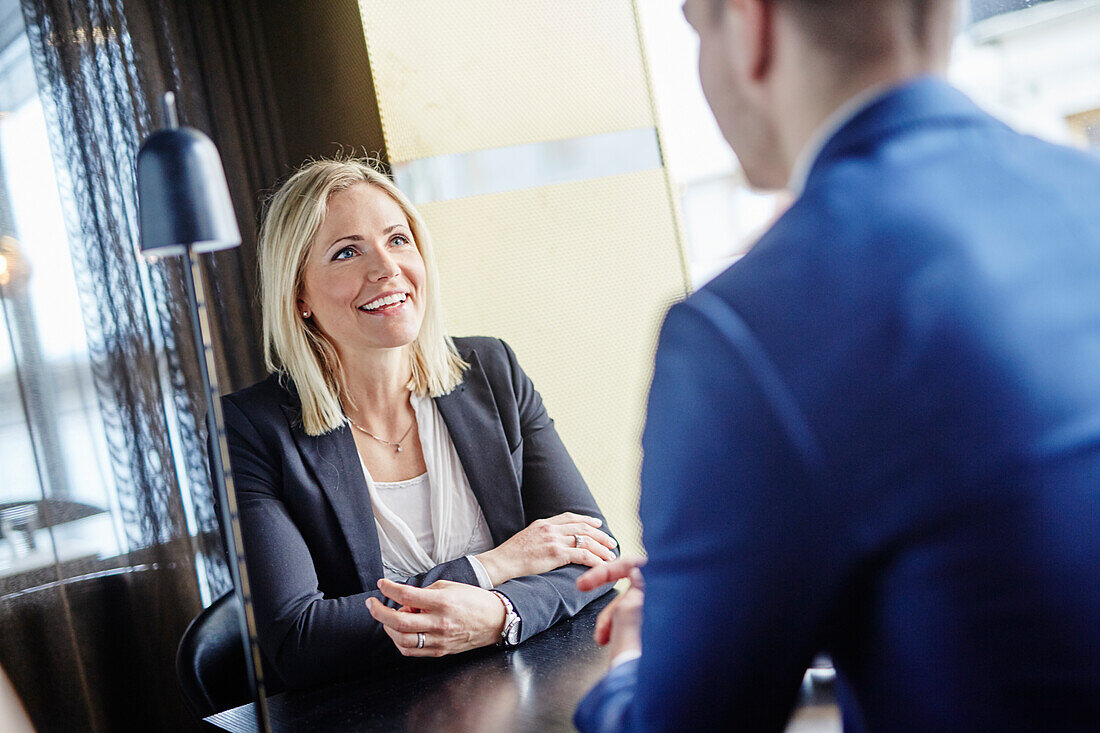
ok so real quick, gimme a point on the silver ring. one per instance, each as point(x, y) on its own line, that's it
point(576, 540)
point(419, 639)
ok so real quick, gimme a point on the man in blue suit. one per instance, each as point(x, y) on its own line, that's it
point(878, 434)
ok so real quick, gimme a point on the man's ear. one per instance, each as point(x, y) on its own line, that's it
point(756, 35)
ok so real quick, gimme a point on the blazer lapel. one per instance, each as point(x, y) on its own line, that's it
point(334, 462)
point(472, 419)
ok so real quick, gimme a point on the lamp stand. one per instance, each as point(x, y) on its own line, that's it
point(222, 478)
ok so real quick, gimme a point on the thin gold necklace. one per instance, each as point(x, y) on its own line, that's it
point(396, 445)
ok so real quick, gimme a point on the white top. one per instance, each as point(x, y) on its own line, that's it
point(433, 518)
point(411, 500)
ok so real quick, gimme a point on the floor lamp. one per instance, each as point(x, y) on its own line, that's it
point(184, 209)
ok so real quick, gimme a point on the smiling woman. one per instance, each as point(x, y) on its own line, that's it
point(400, 492)
point(323, 226)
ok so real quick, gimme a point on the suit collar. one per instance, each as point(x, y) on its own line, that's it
point(922, 101)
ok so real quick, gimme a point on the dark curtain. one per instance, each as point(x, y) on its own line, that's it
point(102, 66)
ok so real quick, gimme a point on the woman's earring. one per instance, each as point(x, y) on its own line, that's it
point(305, 314)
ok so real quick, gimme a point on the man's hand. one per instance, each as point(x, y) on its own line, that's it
point(452, 617)
point(620, 624)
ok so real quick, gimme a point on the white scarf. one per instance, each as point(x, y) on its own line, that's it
point(456, 515)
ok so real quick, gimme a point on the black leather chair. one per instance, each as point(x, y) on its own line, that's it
point(210, 661)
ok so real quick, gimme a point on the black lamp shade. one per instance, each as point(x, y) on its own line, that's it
point(183, 198)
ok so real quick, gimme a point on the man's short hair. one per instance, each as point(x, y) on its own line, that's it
point(849, 29)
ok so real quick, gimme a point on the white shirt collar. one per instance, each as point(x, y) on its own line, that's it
point(832, 124)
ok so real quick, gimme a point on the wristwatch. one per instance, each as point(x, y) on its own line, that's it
point(509, 635)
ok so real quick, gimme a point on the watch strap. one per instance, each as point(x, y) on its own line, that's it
point(509, 635)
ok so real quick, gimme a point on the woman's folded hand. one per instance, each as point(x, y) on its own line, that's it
point(548, 544)
point(444, 618)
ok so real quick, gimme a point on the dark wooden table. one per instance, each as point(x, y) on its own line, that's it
point(533, 688)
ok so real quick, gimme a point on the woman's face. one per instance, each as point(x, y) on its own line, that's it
point(363, 282)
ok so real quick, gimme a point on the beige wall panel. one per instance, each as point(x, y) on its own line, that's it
point(576, 277)
point(452, 77)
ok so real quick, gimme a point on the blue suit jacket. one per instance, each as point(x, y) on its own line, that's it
point(878, 436)
point(308, 526)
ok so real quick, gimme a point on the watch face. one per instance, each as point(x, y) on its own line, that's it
point(510, 634)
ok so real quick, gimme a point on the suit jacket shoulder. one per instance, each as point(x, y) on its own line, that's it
point(263, 400)
point(494, 356)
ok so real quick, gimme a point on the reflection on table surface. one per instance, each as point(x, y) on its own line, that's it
point(533, 688)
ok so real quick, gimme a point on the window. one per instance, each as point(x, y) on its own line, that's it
point(1085, 128)
point(982, 9)
point(1035, 67)
point(58, 506)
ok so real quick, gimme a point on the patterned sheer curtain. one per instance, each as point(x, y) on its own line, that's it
point(101, 67)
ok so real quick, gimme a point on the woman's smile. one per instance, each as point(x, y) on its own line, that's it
point(385, 304)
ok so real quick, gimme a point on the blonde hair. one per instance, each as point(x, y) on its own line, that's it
point(296, 348)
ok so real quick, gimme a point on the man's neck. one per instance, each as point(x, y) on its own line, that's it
point(830, 126)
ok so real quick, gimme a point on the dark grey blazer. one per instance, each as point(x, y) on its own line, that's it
point(309, 531)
